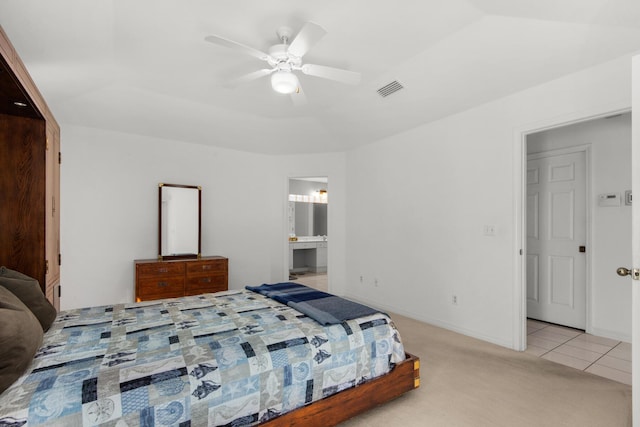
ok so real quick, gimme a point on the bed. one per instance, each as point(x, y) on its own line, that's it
point(231, 358)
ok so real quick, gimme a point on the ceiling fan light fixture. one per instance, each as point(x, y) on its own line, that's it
point(284, 82)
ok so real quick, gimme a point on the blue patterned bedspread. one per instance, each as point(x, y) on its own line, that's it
point(230, 358)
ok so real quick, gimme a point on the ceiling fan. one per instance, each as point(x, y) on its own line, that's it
point(285, 58)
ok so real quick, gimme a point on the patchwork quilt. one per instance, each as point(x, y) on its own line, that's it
point(232, 358)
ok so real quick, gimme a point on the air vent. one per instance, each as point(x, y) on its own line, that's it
point(392, 87)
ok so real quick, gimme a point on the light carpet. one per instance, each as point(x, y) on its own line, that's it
point(468, 382)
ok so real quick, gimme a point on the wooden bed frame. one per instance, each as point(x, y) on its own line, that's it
point(353, 401)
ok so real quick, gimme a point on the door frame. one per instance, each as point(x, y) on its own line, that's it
point(519, 312)
point(586, 149)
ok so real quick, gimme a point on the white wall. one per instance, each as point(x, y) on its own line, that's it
point(109, 209)
point(305, 187)
point(610, 142)
point(417, 204)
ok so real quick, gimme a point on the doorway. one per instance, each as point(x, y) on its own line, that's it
point(606, 140)
point(307, 231)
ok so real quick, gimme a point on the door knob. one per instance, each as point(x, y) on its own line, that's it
point(634, 273)
point(623, 271)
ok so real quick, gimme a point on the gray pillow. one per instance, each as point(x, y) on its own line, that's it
point(28, 290)
point(20, 338)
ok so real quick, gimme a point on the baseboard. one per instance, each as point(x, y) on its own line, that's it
point(432, 321)
point(610, 334)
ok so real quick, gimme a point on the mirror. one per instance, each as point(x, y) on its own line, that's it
point(308, 206)
point(179, 221)
point(310, 219)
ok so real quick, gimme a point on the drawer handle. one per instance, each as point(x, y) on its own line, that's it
point(163, 270)
point(163, 284)
point(205, 280)
point(206, 267)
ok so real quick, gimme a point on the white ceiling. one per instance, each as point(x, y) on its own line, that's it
point(143, 67)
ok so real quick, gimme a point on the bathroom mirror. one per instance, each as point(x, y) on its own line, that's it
point(179, 221)
point(310, 219)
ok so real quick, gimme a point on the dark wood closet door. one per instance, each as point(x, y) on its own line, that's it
point(22, 195)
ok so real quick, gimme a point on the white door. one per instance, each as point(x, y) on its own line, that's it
point(556, 238)
point(635, 234)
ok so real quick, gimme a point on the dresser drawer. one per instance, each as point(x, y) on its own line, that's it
point(160, 269)
point(209, 283)
point(157, 288)
point(206, 268)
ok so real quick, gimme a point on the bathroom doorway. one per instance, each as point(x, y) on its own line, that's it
point(307, 231)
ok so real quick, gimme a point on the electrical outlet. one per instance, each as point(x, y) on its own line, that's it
point(489, 230)
point(375, 282)
point(361, 279)
point(454, 299)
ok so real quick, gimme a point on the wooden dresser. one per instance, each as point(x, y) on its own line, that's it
point(175, 278)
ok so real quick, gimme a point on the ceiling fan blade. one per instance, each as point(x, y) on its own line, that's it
point(251, 76)
point(308, 36)
point(298, 97)
point(221, 41)
point(337, 74)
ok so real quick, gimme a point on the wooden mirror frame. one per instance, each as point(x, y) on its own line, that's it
point(187, 255)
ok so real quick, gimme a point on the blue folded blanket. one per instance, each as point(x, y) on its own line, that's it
point(324, 308)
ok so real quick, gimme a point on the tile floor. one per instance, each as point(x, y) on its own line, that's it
point(600, 356)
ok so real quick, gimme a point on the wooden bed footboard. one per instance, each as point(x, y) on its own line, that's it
point(353, 401)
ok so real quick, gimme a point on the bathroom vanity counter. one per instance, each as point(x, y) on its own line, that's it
point(308, 253)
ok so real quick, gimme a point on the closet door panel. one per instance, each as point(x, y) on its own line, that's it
point(22, 195)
